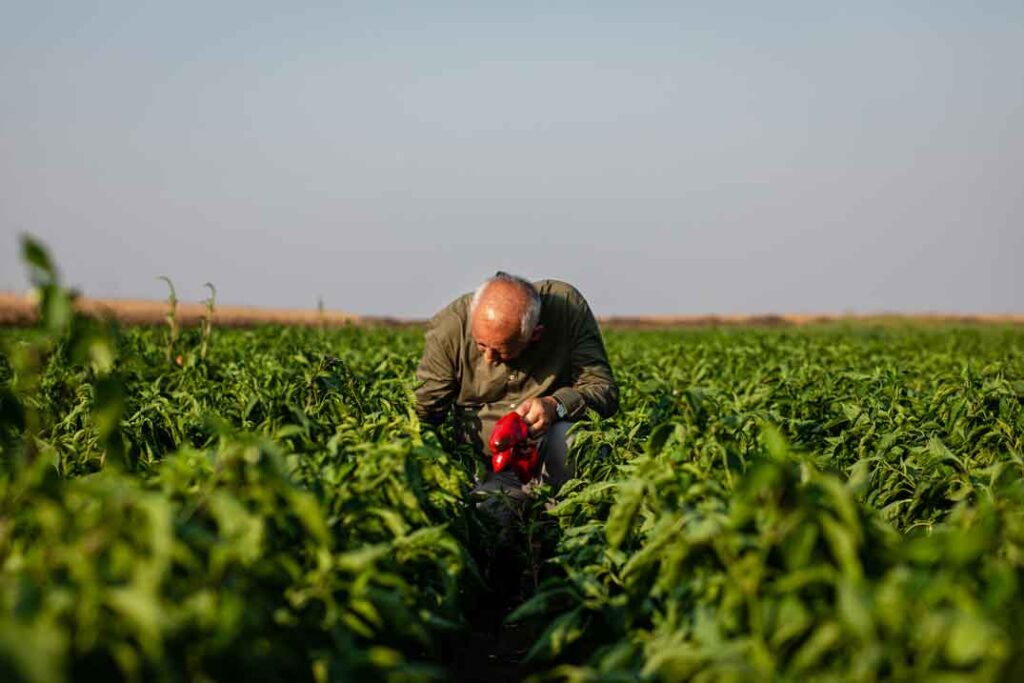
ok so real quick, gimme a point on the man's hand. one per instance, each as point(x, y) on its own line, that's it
point(539, 413)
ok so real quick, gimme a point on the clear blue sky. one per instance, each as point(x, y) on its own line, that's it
point(665, 158)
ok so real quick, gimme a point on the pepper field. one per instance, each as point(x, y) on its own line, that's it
point(831, 502)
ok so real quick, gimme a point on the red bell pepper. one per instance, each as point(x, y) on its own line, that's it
point(510, 445)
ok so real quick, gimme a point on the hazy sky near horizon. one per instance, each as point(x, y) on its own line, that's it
point(726, 157)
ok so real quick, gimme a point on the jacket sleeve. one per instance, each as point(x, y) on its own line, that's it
point(593, 383)
point(437, 384)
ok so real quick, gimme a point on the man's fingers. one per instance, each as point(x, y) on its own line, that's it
point(532, 410)
point(537, 413)
point(538, 420)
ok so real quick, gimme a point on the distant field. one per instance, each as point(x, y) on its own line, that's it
point(16, 309)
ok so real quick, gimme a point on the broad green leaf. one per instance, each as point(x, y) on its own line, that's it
point(623, 513)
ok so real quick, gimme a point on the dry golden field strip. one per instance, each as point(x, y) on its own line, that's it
point(18, 309)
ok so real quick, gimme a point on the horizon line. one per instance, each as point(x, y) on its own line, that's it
point(20, 309)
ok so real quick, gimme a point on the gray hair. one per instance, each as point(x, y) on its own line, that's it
point(531, 316)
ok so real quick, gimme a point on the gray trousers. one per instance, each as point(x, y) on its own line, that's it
point(503, 494)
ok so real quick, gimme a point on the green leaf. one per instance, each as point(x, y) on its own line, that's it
point(792, 621)
point(817, 646)
point(774, 442)
point(624, 511)
point(289, 430)
point(538, 605)
point(843, 542)
point(659, 436)
point(970, 639)
point(855, 610)
point(37, 257)
point(561, 633)
point(108, 402)
point(56, 310)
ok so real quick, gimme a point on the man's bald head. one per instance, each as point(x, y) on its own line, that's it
point(504, 316)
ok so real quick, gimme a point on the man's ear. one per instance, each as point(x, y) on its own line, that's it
point(538, 332)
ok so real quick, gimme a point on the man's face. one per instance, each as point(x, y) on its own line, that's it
point(496, 322)
point(497, 343)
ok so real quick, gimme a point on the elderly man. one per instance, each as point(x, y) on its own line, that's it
point(534, 348)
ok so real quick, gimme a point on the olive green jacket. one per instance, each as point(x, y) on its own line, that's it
point(568, 362)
